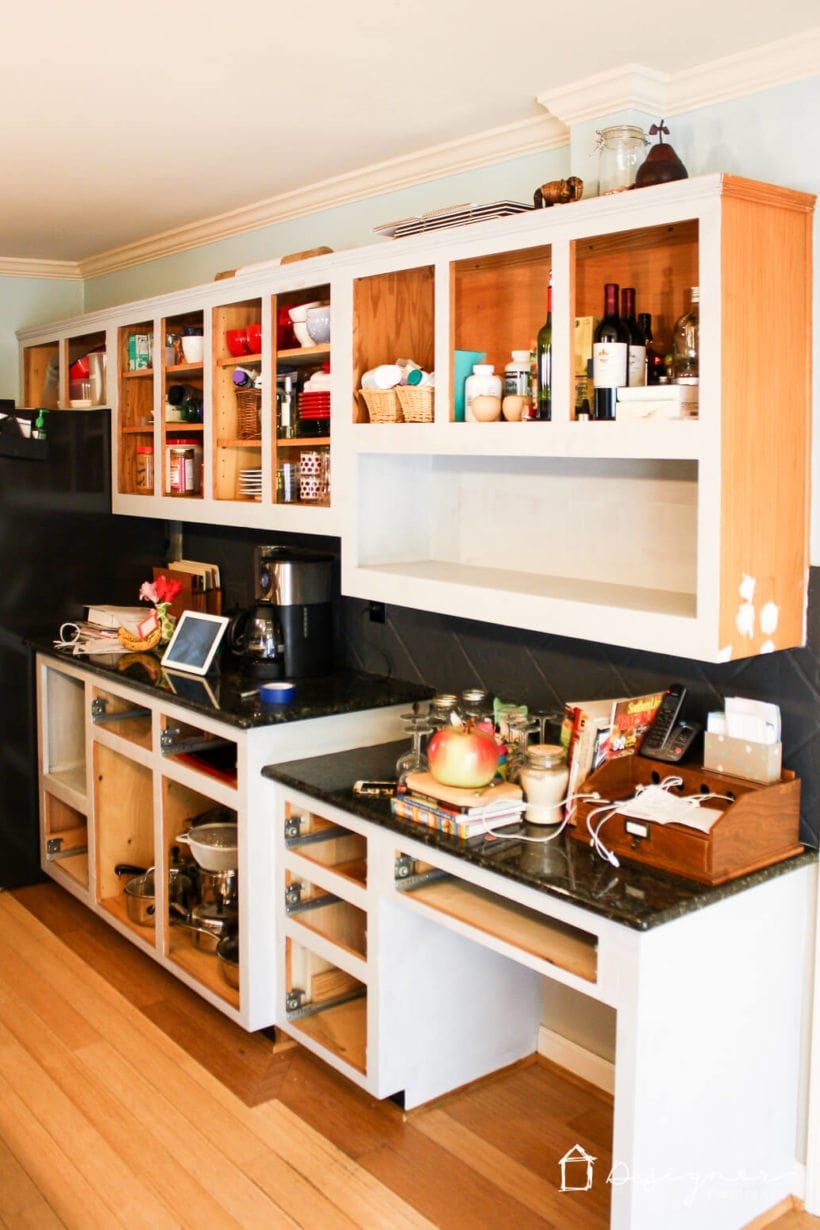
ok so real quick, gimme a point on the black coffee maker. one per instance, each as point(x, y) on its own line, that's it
point(288, 633)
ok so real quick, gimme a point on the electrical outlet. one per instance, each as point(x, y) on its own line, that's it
point(377, 612)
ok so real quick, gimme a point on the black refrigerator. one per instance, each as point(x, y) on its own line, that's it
point(60, 549)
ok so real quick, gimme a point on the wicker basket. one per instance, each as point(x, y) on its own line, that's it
point(416, 403)
point(248, 413)
point(382, 405)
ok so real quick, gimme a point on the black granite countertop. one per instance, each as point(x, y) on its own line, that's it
point(632, 894)
point(233, 698)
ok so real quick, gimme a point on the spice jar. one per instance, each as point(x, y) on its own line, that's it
point(544, 779)
point(620, 153)
point(180, 477)
point(145, 468)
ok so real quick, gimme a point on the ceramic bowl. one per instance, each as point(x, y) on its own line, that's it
point(254, 334)
point(237, 340)
point(302, 335)
point(299, 313)
point(318, 323)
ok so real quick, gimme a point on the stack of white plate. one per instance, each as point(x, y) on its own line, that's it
point(250, 484)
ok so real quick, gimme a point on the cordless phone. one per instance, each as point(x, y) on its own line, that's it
point(668, 738)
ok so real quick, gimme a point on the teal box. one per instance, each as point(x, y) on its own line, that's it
point(463, 362)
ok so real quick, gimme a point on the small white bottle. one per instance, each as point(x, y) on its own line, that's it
point(482, 395)
point(518, 374)
point(385, 376)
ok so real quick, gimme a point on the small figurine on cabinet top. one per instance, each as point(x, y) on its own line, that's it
point(662, 164)
point(558, 192)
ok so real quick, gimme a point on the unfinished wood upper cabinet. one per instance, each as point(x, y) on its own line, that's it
point(41, 374)
point(136, 471)
point(684, 536)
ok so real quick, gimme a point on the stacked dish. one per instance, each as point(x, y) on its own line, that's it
point(250, 483)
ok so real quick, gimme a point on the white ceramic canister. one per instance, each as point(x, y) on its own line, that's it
point(483, 383)
point(544, 778)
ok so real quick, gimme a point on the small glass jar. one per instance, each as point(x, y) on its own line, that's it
point(145, 468)
point(544, 779)
point(620, 153)
point(442, 708)
point(476, 704)
point(685, 342)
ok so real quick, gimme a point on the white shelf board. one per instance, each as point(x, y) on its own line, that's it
point(679, 440)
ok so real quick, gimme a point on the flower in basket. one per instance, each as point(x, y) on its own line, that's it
point(162, 593)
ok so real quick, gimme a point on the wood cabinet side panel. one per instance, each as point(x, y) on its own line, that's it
point(766, 414)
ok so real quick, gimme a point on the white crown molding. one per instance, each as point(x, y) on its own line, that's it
point(516, 140)
point(635, 87)
point(17, 267)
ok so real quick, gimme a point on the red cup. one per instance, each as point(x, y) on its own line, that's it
point(237, 340)
point(254, 333)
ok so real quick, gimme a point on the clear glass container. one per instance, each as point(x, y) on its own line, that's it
point(442, 707)
point(620, 152)
point(477, 705)
point(544, 779)
point(685, 343)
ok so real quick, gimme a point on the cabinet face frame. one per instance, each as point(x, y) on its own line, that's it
point(746, 523)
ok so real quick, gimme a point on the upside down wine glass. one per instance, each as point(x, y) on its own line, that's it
point(413, 760)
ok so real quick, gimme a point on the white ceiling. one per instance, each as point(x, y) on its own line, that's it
point(119, 121)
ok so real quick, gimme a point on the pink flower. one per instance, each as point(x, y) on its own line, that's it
point(148, 593)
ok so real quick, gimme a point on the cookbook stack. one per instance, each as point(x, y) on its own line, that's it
point(459, 811)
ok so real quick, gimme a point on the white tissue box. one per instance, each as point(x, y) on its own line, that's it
point(757, 762)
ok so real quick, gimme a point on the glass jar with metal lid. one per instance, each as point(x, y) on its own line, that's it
point(476, 705)
point(543, 778)
point(442, 708)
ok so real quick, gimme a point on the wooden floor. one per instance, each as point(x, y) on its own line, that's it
point(127, 1100)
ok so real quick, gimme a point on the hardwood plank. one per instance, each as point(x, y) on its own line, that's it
point(21, 1204)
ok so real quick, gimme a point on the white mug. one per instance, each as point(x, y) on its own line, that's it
point(193, 348)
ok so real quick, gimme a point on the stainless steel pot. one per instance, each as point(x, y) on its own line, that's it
point(140, 904)
point(209, 924)
point(227, 954)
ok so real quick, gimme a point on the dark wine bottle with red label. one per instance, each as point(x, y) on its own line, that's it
point(610, 354)
point(636, 360)
point(655, 366)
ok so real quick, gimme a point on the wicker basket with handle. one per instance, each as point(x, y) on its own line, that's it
point(248, 413)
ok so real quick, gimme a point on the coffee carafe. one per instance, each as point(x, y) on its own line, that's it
point(256, 636)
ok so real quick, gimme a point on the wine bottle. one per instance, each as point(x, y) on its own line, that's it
point(543, 391)
point(655, 366)
point(609, 357)
point(636, 359)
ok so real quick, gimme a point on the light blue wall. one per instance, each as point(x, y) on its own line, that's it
point(25, 301)
point(345, 226)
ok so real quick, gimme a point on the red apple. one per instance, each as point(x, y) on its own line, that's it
point(463, 756)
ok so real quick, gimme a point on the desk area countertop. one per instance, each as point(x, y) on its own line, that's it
point(223, 694)
point(636, 896)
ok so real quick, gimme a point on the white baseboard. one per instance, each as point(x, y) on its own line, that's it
point(576, 1059)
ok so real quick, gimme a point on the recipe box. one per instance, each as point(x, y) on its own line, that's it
point(760, 824)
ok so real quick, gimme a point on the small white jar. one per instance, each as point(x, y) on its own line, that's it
point(483, 383)
point(544, 778)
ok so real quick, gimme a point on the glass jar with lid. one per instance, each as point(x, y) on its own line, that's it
point(442, 708)
point(620, 153)
point(476, 704)
point(544, 778)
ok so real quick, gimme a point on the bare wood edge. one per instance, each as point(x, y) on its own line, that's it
point(789, 1204)
point(767, 194)
point(529, 1061)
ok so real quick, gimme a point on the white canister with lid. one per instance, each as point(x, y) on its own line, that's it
point(385, 376)
point(544, 779)
point(486, 385)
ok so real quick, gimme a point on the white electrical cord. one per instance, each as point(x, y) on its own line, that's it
point(559, 828)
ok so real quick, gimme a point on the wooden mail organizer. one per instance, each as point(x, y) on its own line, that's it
point(760, 823)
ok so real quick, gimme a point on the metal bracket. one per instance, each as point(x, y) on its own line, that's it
point(293, 1000)
point(171, 744)
point(293, 827)
point(310, 1009)
point(293, 896)
point(298, 906)
point(321, 835)
point(99, 712)
point(403, 866)
point(55, 851)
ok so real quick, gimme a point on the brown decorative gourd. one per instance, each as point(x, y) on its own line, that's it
point(661, 165)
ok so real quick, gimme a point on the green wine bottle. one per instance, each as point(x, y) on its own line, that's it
point(543, 391)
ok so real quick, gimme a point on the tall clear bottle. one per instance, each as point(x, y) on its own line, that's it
point(610, 354)
point(543, 391)
point(685, 343)
point(636, 360)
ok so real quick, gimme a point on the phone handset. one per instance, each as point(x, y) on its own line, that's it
point(668, 738)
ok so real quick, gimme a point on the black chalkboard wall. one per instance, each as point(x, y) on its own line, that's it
point(542, 671)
